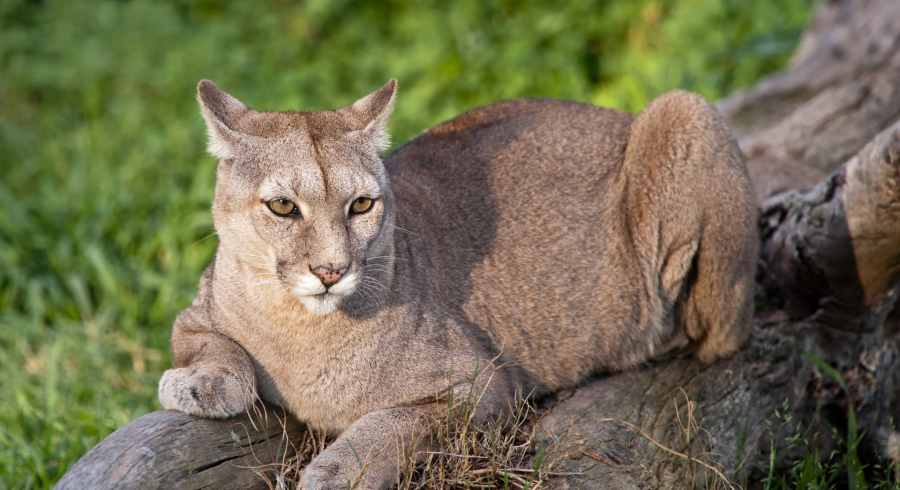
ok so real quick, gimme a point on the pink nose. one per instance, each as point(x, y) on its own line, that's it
point(328, 275)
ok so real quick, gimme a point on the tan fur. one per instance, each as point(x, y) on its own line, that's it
point(555, 238)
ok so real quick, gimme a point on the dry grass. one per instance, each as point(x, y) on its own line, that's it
point(279, 470)
point(466, 455)
point(459, 453)
point(491, 455)
point(704, 470)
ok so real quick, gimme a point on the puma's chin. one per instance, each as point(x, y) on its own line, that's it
point(321, 301)
point(321, 304)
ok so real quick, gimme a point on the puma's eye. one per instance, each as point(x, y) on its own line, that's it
point(361, 205)
point(283, 207)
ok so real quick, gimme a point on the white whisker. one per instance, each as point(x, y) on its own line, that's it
point(374, 282)
point(266, 271)
point(368, 289)
point(404, 231)
point(370, 259)
point(273, 277)
point(257, 284)
point(269, 290)
point(251, 255)
point(377, 268)
point(362, 290)
point(204, 238)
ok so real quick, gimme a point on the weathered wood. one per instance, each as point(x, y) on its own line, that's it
point(729, 394)
point(840, 91)
point(833, 253)
point(734, 400)
point(172, 450)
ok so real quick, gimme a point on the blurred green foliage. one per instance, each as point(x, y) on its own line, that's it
point(105, 189)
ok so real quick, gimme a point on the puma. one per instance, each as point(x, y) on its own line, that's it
point(534, 241)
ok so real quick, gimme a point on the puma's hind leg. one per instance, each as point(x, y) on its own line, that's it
point(694, 220)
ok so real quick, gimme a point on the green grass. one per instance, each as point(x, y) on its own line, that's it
point(814, 471)
point(105, 188)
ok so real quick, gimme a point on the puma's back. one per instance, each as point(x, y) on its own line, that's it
point(536, 216)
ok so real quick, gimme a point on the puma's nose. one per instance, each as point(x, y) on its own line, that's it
point(329, 275)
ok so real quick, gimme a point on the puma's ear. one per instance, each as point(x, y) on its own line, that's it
point(222, 113)
point(370, 114)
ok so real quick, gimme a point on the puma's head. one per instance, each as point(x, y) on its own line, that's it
point(302, 198)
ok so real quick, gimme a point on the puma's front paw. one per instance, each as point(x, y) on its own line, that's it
point(328, 474)
point(210, 393)
point(340, 467)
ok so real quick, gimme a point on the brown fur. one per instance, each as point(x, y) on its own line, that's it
point(556, 238)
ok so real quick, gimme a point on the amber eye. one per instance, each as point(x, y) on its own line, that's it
point(283, 207)
point(361, 205)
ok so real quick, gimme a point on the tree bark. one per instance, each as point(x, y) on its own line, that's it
point(828, 278)
point(168, 449)
point(840, 91)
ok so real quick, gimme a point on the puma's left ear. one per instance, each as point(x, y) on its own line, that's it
point(370, 115)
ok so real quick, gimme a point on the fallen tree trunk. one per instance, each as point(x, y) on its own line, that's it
point(172, 450)
point(828, 277)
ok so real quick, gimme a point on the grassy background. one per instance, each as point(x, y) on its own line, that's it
point(105, 188)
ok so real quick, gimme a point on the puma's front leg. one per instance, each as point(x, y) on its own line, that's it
point(368, 454)
point(214, 378)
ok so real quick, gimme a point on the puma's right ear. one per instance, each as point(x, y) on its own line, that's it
point(370, 114)
point(222, 113)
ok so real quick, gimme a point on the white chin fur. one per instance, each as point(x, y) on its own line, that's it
point(322, 304)
point(310, 293)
